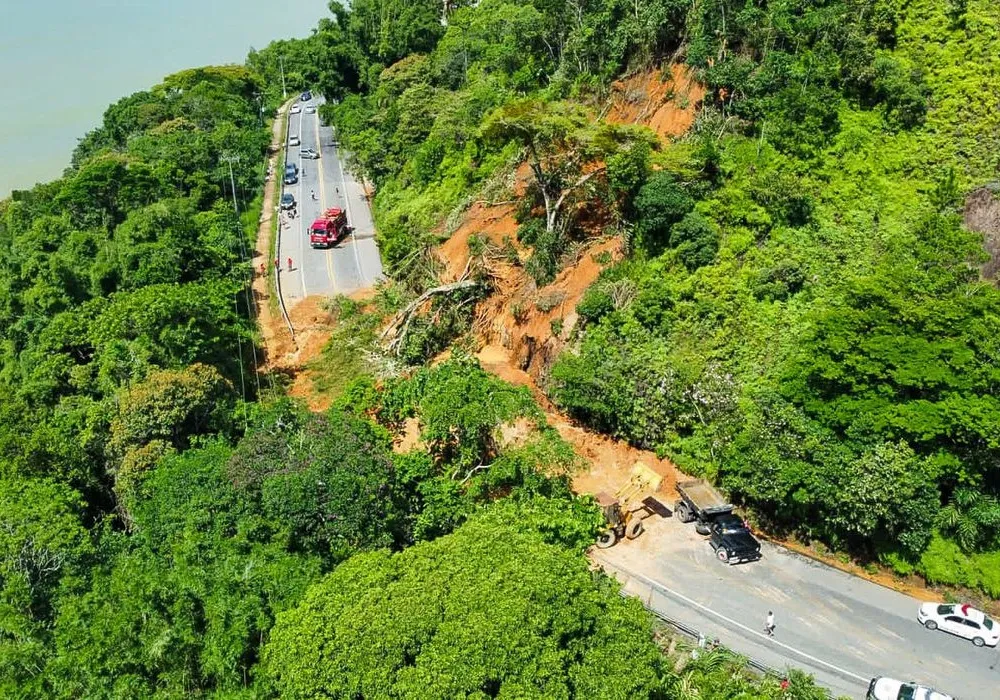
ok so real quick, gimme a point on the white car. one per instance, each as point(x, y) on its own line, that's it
point(295, 109)
point(961, 620)
point(882, 688)
point(311, 109)
point(293, 141)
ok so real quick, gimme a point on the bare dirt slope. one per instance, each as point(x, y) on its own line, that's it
point(982, 215)
point(277, 339)
point(666, 101)
point(522, 328)
point(609, 461)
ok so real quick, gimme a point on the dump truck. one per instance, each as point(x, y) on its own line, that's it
point(328, 229)
point(712, 514)
point(631, 504)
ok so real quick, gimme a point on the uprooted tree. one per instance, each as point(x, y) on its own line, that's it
point(566, 147)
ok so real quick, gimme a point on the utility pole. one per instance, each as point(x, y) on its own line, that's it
point(281, 62)
point(232, 181)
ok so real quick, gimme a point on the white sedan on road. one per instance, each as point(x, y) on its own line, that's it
point(961, 620)
point(882, 688)
point(295, 109)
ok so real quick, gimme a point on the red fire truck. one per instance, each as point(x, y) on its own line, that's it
point(328, 229)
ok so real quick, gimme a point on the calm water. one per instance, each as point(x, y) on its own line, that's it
point(63, 61)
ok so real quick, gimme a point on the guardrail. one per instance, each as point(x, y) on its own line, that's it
point(695, 634)
point(280, 184)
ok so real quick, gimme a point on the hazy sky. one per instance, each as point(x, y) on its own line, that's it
point(64, 61)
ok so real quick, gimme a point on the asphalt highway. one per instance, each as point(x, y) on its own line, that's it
point(841, 629)
point(354, 262)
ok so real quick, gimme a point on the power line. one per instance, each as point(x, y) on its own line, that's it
point(248, 273)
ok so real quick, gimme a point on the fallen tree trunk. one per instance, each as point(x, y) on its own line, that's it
point(395, 333)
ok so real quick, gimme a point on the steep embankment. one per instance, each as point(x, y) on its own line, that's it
point(522, 327)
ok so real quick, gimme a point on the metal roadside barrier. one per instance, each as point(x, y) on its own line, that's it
point(761, 668)
point(277, 240)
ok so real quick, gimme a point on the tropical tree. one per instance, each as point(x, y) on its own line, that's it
point(518, 616)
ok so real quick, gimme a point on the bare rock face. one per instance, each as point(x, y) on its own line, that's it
point(982, 215)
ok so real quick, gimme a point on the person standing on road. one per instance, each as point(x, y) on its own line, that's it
point(277, 265)
point(289, 264)
point(769, 624)
point(312, 193)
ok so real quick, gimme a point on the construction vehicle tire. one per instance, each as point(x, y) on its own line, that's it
point(634, 528)
point(722, 555)
point(606, 539)
point(702, 528)
point(684, 513)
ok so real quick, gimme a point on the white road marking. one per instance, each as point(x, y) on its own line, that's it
point(764, 637)
point(890, 633)
point(328, 253)
point(837, 604)
point(877, 647)
point(350, 218)
point(948, 662)
point(822, 619)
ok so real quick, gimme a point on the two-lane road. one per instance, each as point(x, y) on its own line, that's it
point(324, 183)
point(842, 629)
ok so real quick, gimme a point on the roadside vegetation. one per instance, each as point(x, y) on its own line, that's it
point(800, 316)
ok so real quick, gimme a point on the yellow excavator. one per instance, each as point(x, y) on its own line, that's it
point(625, 511)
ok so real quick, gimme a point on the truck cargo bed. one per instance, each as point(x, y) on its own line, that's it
point(703, 497)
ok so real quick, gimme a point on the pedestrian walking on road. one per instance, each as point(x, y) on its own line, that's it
point(312, 193)
point(277, 265)
point(289, 264)
point(769, 624)
point(262, 270)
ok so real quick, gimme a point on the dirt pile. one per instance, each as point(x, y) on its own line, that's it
point(314, 325)
point(609, 461)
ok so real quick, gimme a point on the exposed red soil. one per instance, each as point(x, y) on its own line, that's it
point(521, 327)
point(277, 340)
point(666, 103)
point(609, 461)
point(409, 438)
point(314, 326)
point(493, 223)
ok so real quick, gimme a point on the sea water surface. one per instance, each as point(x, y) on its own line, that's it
point(62, 62)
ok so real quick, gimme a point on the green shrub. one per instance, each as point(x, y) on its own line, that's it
point(695, 239)
point(660, 203)
point(944, 562)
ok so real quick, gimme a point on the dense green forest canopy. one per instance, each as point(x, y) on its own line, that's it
point(801, 316)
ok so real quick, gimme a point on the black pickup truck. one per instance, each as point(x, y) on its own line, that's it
point(732, 541)
point(713, 516)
